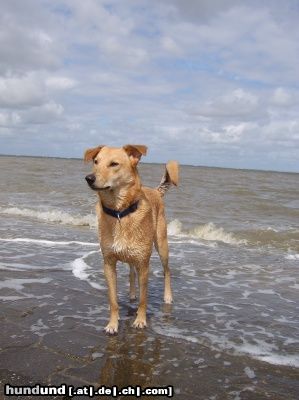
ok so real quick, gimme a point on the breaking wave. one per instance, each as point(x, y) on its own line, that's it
point(47, 242)
point(286, 240)
point(57, 216)
point(207, 231)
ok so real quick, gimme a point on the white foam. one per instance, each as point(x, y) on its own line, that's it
point(48, 242)
point(279, 359)
point(18, 284)
point(292, 257)
point(175, 333)
point(260, 350)
point(95, 285)
point(39, 327)
point(174, 228)
point(207, 232)
point(269, 228)
point(96, 355)
point(53, 216)
point(81, 270)
point(249, 372)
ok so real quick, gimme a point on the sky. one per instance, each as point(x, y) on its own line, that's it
point(209, 82)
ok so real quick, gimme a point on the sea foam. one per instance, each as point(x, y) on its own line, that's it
point(292, 257)
point(52, 216)
point(81, 270)
point(48, 242)
point(207, 231)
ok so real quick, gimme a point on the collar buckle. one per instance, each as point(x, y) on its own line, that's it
point(120, 214)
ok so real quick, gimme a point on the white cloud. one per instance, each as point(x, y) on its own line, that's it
point(282, 131)
point(20, 91)
point(282, 97)
point(234, 133)
point(9, 119)
point(26, 42)
point(236, 104)
point(60, 83)
point(120, 53)
point(47, 113)
point(171, 46)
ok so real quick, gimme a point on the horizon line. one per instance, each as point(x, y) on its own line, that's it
point(158, 163)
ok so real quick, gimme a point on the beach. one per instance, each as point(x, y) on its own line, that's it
point(232, 331)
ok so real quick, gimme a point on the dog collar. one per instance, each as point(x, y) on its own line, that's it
point(120, 214)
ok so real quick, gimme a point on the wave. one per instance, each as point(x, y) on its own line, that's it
point(48, 242)
point(207, 231)
point(282, 239)
point(267, 237)
point(52, 216)
point(261, 350)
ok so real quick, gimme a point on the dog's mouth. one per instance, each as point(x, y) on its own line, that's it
point(96, 188)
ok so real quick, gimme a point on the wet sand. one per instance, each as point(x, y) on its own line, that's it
point(35, 348)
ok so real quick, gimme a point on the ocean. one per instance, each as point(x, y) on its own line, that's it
point(232, 331)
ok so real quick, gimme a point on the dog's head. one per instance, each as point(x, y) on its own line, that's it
point(113, 167)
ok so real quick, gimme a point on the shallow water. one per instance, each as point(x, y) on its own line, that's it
point(232, 331)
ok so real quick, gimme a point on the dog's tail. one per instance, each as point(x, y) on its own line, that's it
point(170, 177)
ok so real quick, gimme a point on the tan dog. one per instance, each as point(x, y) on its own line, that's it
point(131, 218)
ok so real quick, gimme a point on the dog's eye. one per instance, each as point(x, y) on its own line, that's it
point(113, 164)
point(95, 161)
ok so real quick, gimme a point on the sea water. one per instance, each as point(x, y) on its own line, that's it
point(234, 259)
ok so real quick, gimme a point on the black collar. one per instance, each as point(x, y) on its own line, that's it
point(120, 214)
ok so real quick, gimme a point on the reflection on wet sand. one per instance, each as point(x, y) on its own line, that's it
point(128, 361)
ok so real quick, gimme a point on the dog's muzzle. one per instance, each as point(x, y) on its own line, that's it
point(90, 179)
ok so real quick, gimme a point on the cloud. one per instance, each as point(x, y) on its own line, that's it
point(20, 91)
point(212, 82)
point(236, 104)
point(45, 114)
point(282, 98)
point(168, 44)
point(26, 42)
point(60, 83)
point(9, 119)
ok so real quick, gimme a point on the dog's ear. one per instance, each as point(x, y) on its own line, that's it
point(90, 154)
point(135, 151)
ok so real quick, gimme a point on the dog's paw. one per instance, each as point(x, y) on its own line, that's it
point(111, 328)
point(139, 323)
point(168, 299)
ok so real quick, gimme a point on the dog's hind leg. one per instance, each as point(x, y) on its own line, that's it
point(110, 274)
point(161, 245)
point(132, 283)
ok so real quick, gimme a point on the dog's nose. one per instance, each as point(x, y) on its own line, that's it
point(90, 179)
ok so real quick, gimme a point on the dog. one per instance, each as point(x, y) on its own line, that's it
point(131, 219)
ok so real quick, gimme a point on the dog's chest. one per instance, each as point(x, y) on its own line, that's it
point(119, 244)
point(125, 242)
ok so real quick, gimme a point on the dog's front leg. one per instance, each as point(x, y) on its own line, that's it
point(110, 274)
point(140, 321)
